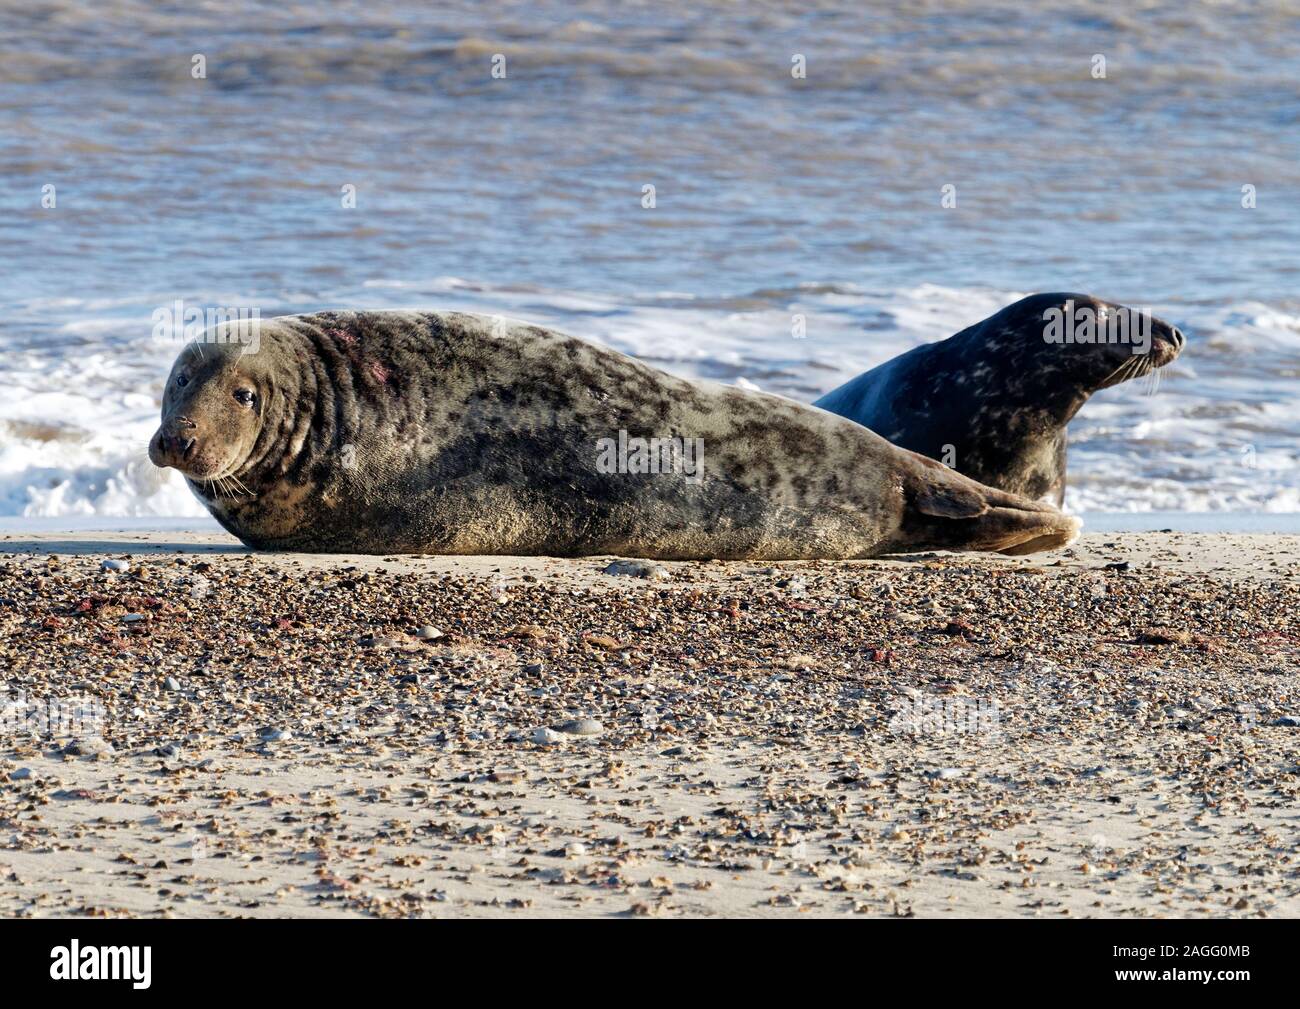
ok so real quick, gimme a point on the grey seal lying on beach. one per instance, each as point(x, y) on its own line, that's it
point(398, 432)
point(994, 400)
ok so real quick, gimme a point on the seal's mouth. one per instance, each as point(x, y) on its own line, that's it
point(214, 479)
point(1166, 345)
point(176, 445)
point(202, 469)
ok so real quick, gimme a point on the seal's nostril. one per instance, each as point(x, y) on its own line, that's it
point(1177, 334)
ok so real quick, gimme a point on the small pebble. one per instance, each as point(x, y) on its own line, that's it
point(88, 746)
point(638, 569)
point(112, 564)
point(581, 727)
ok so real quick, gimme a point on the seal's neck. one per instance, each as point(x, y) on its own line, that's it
point(1009, 378)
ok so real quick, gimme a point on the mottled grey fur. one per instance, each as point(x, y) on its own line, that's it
point(396, 432)
point(998, 394)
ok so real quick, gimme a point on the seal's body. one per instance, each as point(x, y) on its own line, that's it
point(994, 400)
point(394, 432)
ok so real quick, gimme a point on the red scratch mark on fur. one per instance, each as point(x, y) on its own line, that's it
point(343, 336)
point(379, 372)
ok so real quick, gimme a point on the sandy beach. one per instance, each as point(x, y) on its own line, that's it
point(1106, 731)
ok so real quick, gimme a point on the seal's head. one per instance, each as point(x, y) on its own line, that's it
point(211, 412)
point(1090, 343)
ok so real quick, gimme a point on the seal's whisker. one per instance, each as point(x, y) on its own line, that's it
point(1107, 380)
point(1153, 385)
point(1121, 374)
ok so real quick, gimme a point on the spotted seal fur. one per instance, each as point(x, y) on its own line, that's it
point(397, 432)
point(994, 400)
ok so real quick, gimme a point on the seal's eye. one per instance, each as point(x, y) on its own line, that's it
point(181, 381)
point(244, 397)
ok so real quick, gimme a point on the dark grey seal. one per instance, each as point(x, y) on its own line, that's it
point(994, 400)
point(395, 432)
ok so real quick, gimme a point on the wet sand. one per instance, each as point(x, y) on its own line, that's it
point(1106, 731)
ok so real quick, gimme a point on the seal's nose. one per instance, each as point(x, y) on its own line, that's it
point(1169, 341)
point(174, 443)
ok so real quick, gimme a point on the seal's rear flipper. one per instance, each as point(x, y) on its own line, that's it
point(1013, 530)
point(954, 512)
point(1053, 541)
